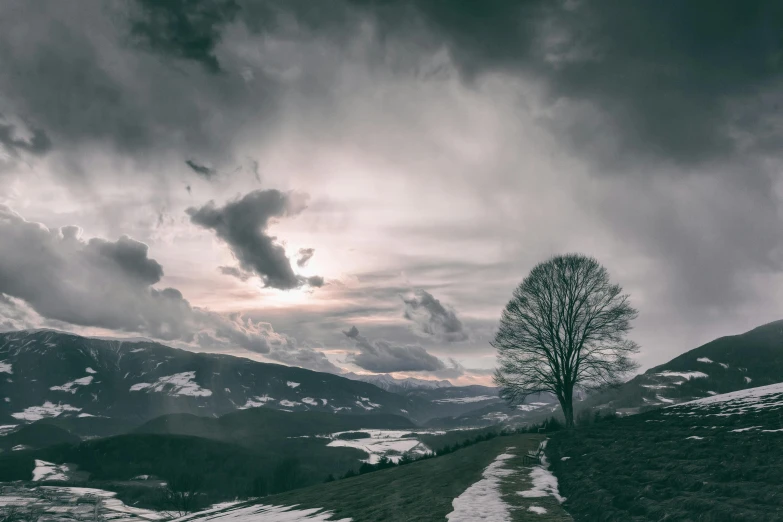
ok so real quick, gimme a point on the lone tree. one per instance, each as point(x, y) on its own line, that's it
point(565, 327)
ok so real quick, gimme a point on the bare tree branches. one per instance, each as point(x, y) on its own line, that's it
point(565, 326)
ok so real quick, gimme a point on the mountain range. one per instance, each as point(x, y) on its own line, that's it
point(82, 381)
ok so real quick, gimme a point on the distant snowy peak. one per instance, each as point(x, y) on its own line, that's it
point(392, 384)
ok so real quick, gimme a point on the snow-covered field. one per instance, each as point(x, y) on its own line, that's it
point(48, 471)
point(752, 400)
point(261, 513)
point(392, 444)
point(69, 503)
point(177, 384)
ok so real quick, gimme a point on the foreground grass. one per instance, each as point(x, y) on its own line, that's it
point(673, 466)
point(421, 491)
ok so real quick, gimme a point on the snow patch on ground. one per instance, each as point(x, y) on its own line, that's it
point(310, 401)
point(48, 409)
point(664, 399)
point(704, 359)
point(289, 404)
point(482, 500)
point(748, 380)
point(539, 510)
point(292, 384)
point(89, 370)
point(48, 471)
point(741, 400)
point(71, 387)
point(6, 368)
point(685, 375)
point(261, 512)
point(463, 400)
point(544, 482)
point(740, 430)
point(694, 437)
point(655, 386)
point(255, 402)
point(177, 384)
point(564, 458)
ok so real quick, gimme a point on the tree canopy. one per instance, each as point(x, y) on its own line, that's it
point(564, 327)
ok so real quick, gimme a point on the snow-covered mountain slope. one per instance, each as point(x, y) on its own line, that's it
point(764, 405)
point(724, 365)
point(46, 374)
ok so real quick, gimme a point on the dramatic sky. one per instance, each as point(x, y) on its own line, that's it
point(359, 185)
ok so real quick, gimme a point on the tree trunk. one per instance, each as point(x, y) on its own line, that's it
point(567, 403)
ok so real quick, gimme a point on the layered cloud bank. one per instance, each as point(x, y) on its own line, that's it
point(445, 150)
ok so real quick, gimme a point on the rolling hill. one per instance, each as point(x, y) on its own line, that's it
point(35, 436)
point(252, 428)
point(715, 458)
point(421, 491)
point(727, 364)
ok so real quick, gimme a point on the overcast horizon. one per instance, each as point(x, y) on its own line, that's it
point(359, 186)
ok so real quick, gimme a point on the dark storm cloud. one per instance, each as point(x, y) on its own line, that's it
point(433, 319)
point(243, 223)
point(303, 356)
point(662, 74)
point(75, 74)
point(669, 102)
point(304, 256)
point(234, 272)
point(108, 284)
point(381, 356)
point(37, 144)
point(315, 281)
point(202, 170)
point(183, 29)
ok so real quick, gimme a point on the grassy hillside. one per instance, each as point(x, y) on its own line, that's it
point(730, 363)
point(92, 426)
point(37, 436)
point(717, 458)
point(223, 470)
point(247, 453)
point(421, 491)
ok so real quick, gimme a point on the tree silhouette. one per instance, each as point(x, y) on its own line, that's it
point(564, 327)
